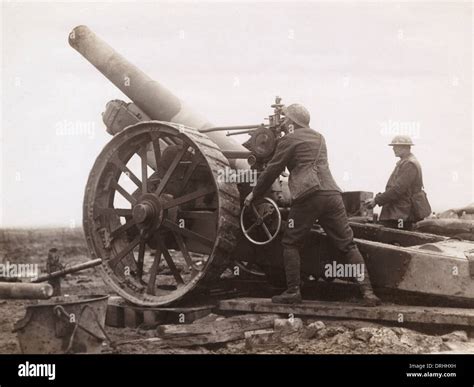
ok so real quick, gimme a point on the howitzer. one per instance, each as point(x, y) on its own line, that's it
point(163, 203)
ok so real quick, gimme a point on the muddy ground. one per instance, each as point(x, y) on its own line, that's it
point(320, 336)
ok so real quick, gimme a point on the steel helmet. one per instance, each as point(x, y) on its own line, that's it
point(297, 113)
point(401, 140)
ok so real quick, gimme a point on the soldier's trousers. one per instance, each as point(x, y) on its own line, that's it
point(330, 212)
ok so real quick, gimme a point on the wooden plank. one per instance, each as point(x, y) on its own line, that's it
point(393, 313)
point(187, 315)
point(243, 323)
point(229, 329)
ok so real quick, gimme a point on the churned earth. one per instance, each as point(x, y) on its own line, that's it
point(307, 336)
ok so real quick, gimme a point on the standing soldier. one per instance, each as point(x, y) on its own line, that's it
point(406, 180)
point(315, 195)
point(53, 264)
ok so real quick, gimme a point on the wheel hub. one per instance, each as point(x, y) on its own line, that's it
point(148, 212)
point(142, 212)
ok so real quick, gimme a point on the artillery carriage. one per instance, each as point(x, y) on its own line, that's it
point(167, 225)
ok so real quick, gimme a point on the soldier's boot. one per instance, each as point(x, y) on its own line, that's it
point(289, 296)
point(292, 295)
point(368, 296)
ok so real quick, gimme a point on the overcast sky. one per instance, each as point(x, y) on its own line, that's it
point(364, 70)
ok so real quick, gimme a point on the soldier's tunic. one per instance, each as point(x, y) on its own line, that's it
point(315, 194)
point(396, 200)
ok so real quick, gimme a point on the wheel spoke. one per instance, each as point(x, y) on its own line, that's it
point(252, 227)
point(184, 251)
point(154, 270)
point(168, 141)
point(156, 149)
point(257, 214)
point(144, 166)
point(170, 171)
point(113, 211)
point(188, 197)
point(122, 228)
point(115, 260)
point(171, 265)
point(265, 228)
point(188, 233)
point(124, 193)
point(121, 165)
point(189, 172)
point(141, 259)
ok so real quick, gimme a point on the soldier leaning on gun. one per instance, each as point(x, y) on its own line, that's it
point(315, 195)
point(397, 209)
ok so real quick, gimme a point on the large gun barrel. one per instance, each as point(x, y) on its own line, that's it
point(149, 95)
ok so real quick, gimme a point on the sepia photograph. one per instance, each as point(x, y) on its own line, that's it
point(219, 178)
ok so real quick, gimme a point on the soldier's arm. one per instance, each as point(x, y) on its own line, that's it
point(274, 168)
point(405, 180)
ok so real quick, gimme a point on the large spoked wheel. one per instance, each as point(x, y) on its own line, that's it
point(261, 221)
point(157, 214)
